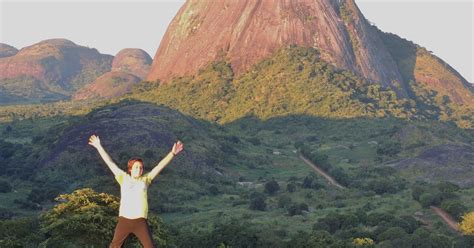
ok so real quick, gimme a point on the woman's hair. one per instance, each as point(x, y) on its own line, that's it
point(131, 162)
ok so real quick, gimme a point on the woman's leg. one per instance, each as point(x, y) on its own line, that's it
point(122, 230)
point(143, 233)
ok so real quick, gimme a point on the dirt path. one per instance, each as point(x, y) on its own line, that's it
point(321, 172)
point(446, 217)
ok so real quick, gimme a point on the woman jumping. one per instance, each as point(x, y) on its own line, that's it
point(133, 210)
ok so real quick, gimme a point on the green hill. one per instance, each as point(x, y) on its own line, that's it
point(293, 81)
point(219, 190)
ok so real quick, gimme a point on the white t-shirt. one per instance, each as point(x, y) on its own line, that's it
point(133, 195)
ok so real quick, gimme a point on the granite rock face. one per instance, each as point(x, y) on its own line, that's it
point(132, 60)
point(246, 31)
point(58, 67)
point(129, 67)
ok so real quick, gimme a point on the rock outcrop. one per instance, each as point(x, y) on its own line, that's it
point(133, 61)
point(244, 32)
point(129, 67)
point(58, 67)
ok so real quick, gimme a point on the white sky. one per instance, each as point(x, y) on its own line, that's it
point(444, 27)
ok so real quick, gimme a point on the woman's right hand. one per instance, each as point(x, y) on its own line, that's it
point(94, 141)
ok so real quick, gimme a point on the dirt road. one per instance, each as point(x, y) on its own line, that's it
point(321, 172)
point(446, 217)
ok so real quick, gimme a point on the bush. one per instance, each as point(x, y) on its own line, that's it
point(291, 187)
point(467, 224)
point(340, 176)
point(6, 213)
point(213, 190)
point(392, 233)
point(21, 232)
point(5, 186)
point(294, 209)
point(374, 219)
point(382, 186)
point(255, 141)
point(310, 182)
point(447, 187)
point(428, 199)
point(257, 201)
point(272, 187)
point(417, 191)
point(454, 208)
point(389, 148)
point(87, 219)
point(334, 222)
point(315, 239)
point(44, 192)
point(284, 201)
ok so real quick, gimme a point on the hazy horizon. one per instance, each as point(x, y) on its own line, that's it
point(450, 38)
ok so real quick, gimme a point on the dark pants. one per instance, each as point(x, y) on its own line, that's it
point(125, 227)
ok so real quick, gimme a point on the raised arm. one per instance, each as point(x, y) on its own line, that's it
point(177, 148)
point(95, 142)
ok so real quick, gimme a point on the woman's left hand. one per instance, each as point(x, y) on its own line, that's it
point(177, 147)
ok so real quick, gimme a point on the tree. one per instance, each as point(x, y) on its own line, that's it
point(392, 233)
point(257, 201)
point(213, 190)
point(297, 209)
point(85, 218)
point(363, 242)
point(310, 182)
point(467, 224)
point(454, 207)
point(447, 187)
point(317, 238)
point(20, 232)
point(8, 129)
point(272, 187)
point(389, 148)
point(284, 201)
point(428, 199)
point(374, 219)
point(417, 191)
point(5, 186)
point(291, 187)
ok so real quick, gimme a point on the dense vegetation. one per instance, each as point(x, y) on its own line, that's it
point(262, 199)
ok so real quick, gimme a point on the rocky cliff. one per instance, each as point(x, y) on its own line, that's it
point(244, 32)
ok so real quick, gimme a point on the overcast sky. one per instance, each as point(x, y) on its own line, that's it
point(444, 27)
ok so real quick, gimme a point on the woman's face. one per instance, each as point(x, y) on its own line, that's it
point(137, 169)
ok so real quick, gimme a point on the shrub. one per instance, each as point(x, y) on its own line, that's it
point(272, 187)
point(467, 224)
point(87, 219)
point(284, 201)
point(257, 201)
point(5, 186)
point(291, 187)
point(454, 207)
point(392, 233)
point(428, 199)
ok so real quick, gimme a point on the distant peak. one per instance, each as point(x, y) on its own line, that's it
point(7, 50)
point(57, 42)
